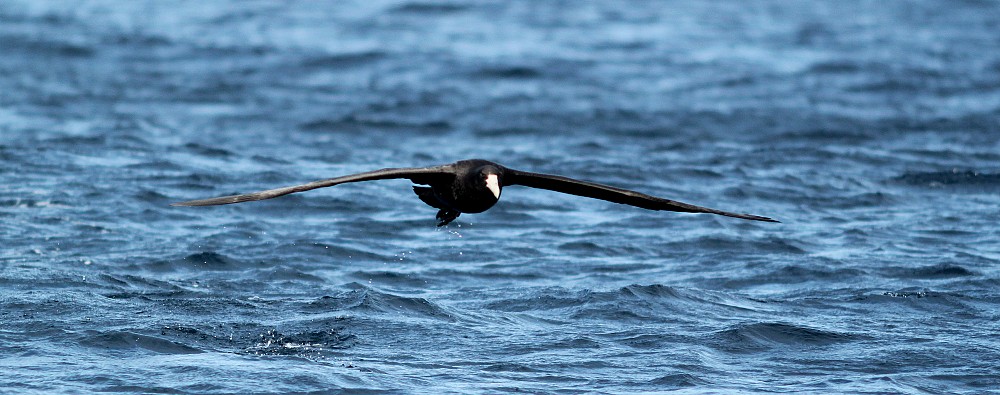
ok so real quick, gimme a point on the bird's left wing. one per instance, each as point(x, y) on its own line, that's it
point(420, 175)
point(611, 194)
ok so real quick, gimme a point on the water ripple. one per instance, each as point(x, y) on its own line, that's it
point(868, 128)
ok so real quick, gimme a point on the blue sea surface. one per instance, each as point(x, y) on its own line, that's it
point(871, 129)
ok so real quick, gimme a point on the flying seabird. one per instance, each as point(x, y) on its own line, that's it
point(474, 185)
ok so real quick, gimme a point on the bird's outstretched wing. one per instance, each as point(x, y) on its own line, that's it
point(419, 175)
point(611, 194)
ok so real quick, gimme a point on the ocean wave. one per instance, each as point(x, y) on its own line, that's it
point(303, 344)
point(35, 47)
point(509, 72)
point(344, 60)
point(131, 284)
point(762, 336)
point(679, 380)
point(428, 8)
point(961, 179)
point(654, 302)
point(367, 300)
point(352, 123)
point(941, 271)
point(731, 243)
point(124, 340)
point(201, 261)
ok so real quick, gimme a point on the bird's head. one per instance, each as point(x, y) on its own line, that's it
point(492, 178)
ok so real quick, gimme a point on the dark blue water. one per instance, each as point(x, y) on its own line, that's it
point(871, 129)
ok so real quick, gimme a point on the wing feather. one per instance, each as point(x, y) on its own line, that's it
point(612, 194)
point(420, 175)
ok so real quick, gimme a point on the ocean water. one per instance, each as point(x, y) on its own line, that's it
point(871, 129)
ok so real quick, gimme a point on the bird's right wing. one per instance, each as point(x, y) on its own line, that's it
point(419, 175)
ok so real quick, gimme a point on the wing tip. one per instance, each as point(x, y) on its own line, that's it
point(751, 217)
point(759, 218)
point(191, 203)
point(209, 202)
point(756, 218)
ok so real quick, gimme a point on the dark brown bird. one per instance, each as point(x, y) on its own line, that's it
point(474, 185)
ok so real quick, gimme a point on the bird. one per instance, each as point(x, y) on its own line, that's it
point(474, 185)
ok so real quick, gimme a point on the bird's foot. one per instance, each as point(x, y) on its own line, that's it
point(445, 216)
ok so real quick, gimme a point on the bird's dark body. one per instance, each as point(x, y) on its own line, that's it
point(466, 193)
point(474, 186)
point(461, 192)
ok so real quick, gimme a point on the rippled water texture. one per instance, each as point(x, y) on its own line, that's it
point(869, 128)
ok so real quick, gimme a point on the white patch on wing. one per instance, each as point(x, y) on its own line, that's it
point(493, 183)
